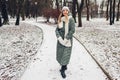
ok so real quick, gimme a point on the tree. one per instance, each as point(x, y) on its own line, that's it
point(87, 6)
point(114, 3)
point(58, 10)
point(64, 3)
point(4, 12)
point(79, 9)
point(57, 4)
point(0, 20)
point(12, 7)
point(111, 12)
point(118, 11)
point(19, 7)
point(107, 10)
point(0, 15)
point(27, 8)
point(74, 3)
point(101, 7)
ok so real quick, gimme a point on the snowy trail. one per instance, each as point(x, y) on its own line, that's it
point(45, 67)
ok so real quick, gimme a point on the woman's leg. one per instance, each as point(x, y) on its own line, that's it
point(62, 70)
point(64, 67)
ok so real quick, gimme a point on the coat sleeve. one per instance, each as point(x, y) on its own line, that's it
point(57, 33)
point(71, 29)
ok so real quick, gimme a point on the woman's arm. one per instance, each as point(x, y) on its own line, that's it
point(57, 33)
point(72, 29)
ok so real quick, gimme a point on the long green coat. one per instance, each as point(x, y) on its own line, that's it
point(63, 53)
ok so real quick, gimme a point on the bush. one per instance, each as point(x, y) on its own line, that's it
point(51, 13)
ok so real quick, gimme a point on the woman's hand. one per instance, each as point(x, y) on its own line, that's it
point(59, 18)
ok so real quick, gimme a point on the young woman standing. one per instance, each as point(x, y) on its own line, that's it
point(64, 33)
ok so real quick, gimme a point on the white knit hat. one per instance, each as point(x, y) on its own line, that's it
point(65, 8)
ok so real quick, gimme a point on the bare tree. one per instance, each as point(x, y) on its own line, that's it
point(79, 9)
point(64, 3)
point(114, 4)
point(0, 15)
point(20, 2)
point(111, 12)
point(57, 4)
point(107, 10)
point(87, 6)
point(101, 6)
point(118, 11)
point(0, 20)
point(74, 3)
point(4, 12)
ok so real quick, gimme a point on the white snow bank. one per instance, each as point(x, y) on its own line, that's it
point(18, 45)
point(103, 41)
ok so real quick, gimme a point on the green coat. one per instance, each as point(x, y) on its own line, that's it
point(63, 53)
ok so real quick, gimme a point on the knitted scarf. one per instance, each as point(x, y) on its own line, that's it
point(64, 42)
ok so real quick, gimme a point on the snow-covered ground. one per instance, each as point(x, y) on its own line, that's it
point(21, 52)
point(103, 42)
point(81, 67)
point(18, 45)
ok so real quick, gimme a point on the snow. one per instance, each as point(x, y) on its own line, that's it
point(103, 41)
point(81, 67)
point(18, 45)
point(28, 51)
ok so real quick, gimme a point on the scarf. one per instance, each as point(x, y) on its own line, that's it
point(64, 42)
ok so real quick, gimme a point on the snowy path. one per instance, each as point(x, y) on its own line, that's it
point(45, 67)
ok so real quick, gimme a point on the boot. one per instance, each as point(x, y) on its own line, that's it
point(62, 70)
point(63, 73)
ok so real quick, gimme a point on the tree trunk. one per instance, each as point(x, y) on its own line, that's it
point(80, 8)
point(0, 15)
point(114, 3)
point(4, 12)
point(27, 8)
point(14, 9)
point(19, 12)
point(87, 6)
point(118, 11)
point(91, 13)
point(18, 17)
point(74, 9)
point(111, 16)
point(107, 11)
point(57, 4)
point(0, 21)
point(23, 11)
point(64, 3)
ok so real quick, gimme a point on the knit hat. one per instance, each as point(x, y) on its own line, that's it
point(65, 8)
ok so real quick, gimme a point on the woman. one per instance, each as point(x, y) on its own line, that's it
point(64, 33)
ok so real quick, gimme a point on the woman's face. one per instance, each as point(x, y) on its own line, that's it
point(65, 12)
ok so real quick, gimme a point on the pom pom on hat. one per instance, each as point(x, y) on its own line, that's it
point(65, 8)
